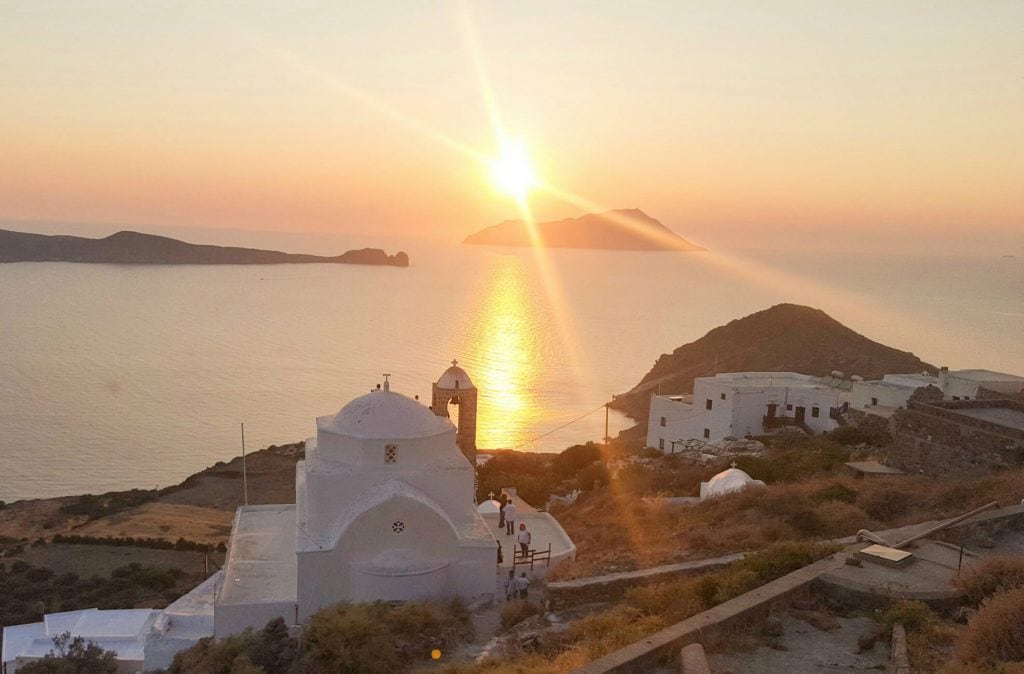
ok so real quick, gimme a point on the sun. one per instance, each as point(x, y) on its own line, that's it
point(512, 172)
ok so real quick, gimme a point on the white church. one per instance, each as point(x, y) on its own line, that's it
point(384, 510)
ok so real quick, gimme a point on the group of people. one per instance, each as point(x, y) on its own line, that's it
point(507, 519)
point(515, 587)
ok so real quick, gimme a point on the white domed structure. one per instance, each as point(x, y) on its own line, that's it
point(728, 481)
point(384, 414)
point(489, 508)
point(454, 378)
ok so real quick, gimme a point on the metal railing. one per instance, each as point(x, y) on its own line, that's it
point(531, 557)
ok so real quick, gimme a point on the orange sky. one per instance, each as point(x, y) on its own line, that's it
point(799, 121)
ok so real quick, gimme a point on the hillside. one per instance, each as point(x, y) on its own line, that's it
point(137, 248)
point(623, 229)
point(784, 338)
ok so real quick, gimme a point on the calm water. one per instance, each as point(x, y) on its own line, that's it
point(136, 376)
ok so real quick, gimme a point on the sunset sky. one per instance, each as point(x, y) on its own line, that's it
point(760, 119)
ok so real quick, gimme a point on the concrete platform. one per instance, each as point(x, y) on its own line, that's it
point(928, 577)
point(545, 529)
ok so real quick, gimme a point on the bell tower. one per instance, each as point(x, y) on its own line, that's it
point(454, 387)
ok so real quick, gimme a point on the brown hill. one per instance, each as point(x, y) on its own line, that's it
point(622, 229)
point(784, 338)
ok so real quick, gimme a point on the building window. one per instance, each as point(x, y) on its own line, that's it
point(661, 443)
point(814, 412)
point(663, 421)
point(391, 454)
point(956, 397)
point(398, 526)
point(874, 402)
point(789, 408)
point(707, 432)
point(723, 396)
point(707, 404)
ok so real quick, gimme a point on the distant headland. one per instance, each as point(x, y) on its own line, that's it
point(137, 248)
point(621, 229)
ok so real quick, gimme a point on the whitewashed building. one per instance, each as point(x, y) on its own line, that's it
point(384, 511)
point(884, 396)
point(122, 631)
point(965, 384)
point(737, 404)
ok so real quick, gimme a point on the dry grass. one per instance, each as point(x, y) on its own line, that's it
point(164, 520)
point(615, 531)
point(996, 634)
point(991, 576)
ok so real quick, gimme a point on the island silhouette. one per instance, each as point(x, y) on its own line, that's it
point(129, 247)
point(619, 229)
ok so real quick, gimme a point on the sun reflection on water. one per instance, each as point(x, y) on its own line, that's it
point(504, 347)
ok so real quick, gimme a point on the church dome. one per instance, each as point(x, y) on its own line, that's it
point(387, 415)
point(728, 481)
point(454, 378)
point(489, 507)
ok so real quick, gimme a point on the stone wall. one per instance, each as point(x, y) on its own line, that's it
point(935, 439)
point(565, 594)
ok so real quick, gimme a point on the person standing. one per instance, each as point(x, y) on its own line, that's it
point(525, 538)
point(523, 586)
point(501, 510)
point(510, 518)
point(511, 586)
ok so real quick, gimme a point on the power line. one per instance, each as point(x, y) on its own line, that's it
point(555, 430)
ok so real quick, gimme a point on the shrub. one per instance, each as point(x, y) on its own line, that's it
point(888, 505)
point(594, 475)
point(382, 638)
point(516, 611)
point(913, 615)
point(835, 492)
point(990, 576)
point(569, 462)
point(996, 633)
point(71, 656)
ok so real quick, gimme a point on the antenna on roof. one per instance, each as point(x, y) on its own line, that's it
point(387, 384)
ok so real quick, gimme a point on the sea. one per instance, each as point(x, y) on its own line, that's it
point(123, 376)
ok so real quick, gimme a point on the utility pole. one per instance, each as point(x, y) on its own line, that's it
point(606, 437)
point(245, 478)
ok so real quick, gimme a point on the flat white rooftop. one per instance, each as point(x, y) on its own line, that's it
point(261, 564)
point(985, 375)
point(770, 380)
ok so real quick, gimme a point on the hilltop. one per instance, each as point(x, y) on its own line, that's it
point(622, 229)
point(783, 338)
point(136, 248)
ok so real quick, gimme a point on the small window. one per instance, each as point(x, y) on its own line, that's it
point(707, 432)
point(707, 404)
point(391, 454)
point(874, 402)
point(663, 421)
point(661, 442)
point(398, 526)
point(956, 397)
point(789, 408)
point(815, 412)
point(723, 396)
